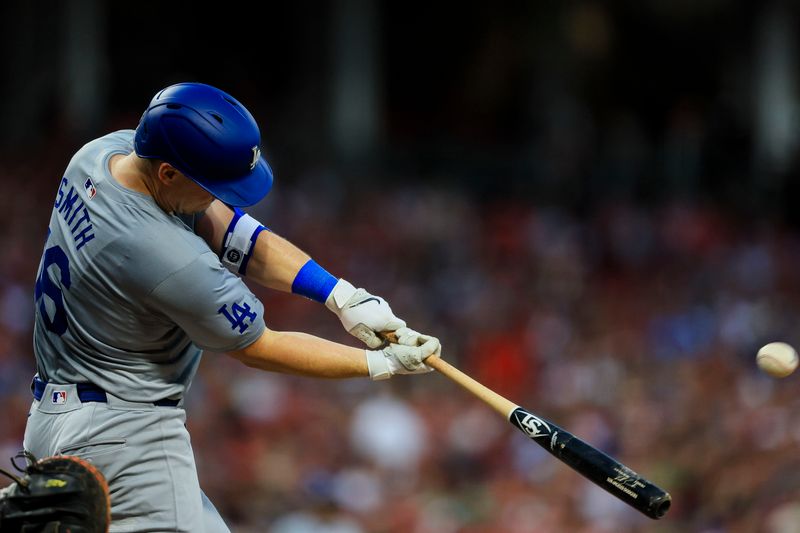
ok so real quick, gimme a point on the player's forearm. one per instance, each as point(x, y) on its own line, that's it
point(276, 262)
point(303, 354)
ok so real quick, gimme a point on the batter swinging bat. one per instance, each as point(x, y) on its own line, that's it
point(588, 461)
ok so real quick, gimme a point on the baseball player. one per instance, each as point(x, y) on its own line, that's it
point(142, 271)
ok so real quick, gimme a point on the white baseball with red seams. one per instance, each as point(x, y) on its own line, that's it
point(777, 359)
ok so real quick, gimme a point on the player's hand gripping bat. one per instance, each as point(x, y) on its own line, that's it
point(588, 461)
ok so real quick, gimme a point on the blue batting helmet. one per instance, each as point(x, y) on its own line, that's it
point(210, 137)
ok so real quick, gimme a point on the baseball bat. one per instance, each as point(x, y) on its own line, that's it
point(603, 470)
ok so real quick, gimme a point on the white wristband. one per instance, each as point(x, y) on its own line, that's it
point(239, 241)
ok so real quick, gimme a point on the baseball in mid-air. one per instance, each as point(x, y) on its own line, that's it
point(777, 359)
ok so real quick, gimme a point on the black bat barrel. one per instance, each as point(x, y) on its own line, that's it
point(608, 473)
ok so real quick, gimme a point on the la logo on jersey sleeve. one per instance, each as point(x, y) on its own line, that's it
point(238, 315)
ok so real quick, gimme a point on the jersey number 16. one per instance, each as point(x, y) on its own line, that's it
point(45, 286)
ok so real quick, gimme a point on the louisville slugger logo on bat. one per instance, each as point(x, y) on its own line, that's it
point(534, 426)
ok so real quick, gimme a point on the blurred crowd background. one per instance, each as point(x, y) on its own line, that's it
point(591, 204)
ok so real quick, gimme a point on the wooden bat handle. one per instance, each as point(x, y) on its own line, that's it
point(502, 405)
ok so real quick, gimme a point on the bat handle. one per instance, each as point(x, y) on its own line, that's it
point(499, 403)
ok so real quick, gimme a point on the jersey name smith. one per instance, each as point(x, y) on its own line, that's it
point(73, 211)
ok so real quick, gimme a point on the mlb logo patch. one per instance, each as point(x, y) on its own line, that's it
point(91, 190)
point(59, 397)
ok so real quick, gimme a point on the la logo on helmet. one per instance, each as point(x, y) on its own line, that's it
point(256, 156)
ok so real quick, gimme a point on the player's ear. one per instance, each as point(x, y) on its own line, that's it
point(167, 173)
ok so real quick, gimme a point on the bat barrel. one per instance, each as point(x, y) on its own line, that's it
point(604, 471)
point(611, 475)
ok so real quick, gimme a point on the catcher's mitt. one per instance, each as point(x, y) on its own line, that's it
point(60, 494)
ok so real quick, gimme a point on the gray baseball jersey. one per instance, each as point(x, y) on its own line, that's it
point(127, 295)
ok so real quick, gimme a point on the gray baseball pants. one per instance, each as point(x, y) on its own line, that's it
point(143, 450)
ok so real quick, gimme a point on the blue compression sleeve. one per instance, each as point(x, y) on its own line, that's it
point(313, 281)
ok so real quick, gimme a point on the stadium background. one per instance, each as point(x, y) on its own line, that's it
point(592, 204)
